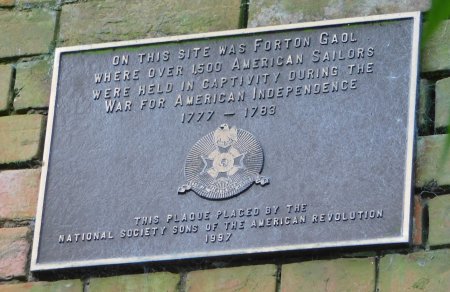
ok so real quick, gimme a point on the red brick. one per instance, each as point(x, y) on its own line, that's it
point(14, 248)
point(418, 221)
point(18, 193)
point(7, 3)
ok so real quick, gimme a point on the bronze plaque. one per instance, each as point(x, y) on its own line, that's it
point(250, 141)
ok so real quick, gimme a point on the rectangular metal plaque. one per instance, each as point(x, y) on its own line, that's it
point(249, 141)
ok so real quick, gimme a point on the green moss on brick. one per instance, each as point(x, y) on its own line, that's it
point(273, 12)
point(442, 110)
point(26, 32)
point(33, 81)
point(144, 282)
point(431, 170)
point(422, 271)
point(329, 275)
point(21, 138)
point(436, 52)
point(57, 286)
point(31, 2)
point(259, 278)
point(5, 87)
point(424, 120)
point(439, 221)
point(114, 20)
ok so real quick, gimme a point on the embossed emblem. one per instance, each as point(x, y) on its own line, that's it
point(223, 164)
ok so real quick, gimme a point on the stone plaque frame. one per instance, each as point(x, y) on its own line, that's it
point(402, 237)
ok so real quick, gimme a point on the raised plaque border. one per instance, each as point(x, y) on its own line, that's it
point(404, 238)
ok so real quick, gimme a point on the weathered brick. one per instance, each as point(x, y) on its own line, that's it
point(422, 271)
point(145, 282)
point(417, 235)
point(21, 135)
point(442, 110)
point(329, 275)
point(250, 278)
point(13, 252)
point(273, 12)
point(113, 20)
point(5, 87)
point(33, 81)
point(431, 171)
point(58, 286)
point(435, 55)
point(424, 120)
point(7, 3)
point(439, 221)
point(33, 2)
point(18, 193)
point(26, 32)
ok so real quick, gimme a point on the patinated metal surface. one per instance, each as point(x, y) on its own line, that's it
point(283, 138)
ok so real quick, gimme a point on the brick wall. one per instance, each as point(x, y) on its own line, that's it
point(31, 29)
